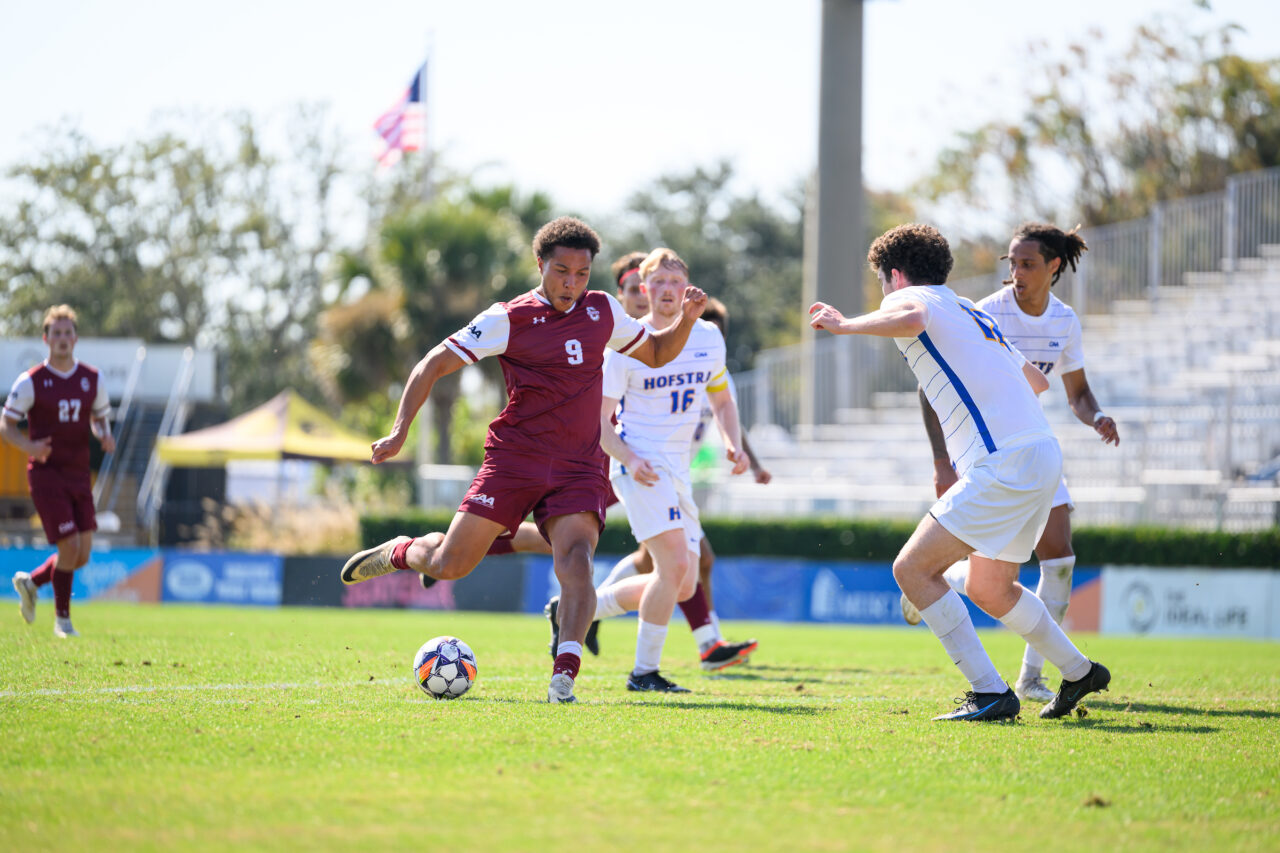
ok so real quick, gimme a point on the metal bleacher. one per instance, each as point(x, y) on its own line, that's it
point(1188, 364)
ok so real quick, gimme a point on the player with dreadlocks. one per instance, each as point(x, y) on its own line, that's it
point(1047, 331)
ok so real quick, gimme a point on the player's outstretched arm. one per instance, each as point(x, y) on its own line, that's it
point(638, 468)
point(1038, 381)
point(1085, 406)
point(664, 345)
point(901, 319)
point(725, 409)
point(441, 361)
point(944, 475)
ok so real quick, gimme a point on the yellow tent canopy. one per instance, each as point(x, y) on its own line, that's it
point(284, 427)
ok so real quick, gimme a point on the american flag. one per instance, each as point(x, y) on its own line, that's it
point(403, 127)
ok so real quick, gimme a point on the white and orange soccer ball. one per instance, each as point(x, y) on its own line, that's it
point(445, 667)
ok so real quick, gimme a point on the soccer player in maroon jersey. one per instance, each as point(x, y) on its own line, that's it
point(542, 453)
point(63, 402)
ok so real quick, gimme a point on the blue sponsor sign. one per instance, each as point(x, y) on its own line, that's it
point(121, 574)
point(778, 589)
point(223, 578)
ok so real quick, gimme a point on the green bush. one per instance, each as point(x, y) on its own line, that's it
point(839, 539)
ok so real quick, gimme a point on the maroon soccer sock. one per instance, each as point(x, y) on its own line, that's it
point(62, 593)
point(398, 554)
point(502, 545)
point(695, 609)
point(44, 574)
point(567, 663)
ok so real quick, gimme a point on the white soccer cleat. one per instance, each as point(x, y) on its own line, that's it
point(561, 689)
point(63, 628)
point(27, 592)
point(1033, 689)
point(909, 612)
point(371, 563)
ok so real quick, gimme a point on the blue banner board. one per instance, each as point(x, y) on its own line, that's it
point(223, 578)
point(778, 589)
point(119, 574)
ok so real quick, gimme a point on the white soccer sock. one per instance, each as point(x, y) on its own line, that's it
point(706, 637)
point(569, 647)
point(715, 623)
point(624, 568)
point(956, 575)
point(1030, 620)
point(607, 604)
point(649, 641)
point(1055, 591)
point(949, 620)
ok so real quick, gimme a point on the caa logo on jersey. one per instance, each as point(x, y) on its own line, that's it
point(1054, 345)
point(482, 499)
point(593, 313)
point(474, 331)
point(699, 355)
point(84, 384)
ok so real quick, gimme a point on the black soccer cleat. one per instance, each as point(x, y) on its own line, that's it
point(550, 612)
point(985, 707)
point(723, 655)
point(427, 581)
point(653, 682)
point(1071, 692)
point(592, 641)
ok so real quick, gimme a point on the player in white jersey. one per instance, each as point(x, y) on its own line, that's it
point(651, 449)
point(714, 651)
point(1047, 332)
point(1008, 463)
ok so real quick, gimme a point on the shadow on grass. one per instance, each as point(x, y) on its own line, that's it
point(1183, 710)
point(795, 674)
point(1122, 726)
point(657, 700)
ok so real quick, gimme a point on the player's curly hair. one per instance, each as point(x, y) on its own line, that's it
point(919, 252)
point(1054, 243)
point(568, 232)
point(625, 264)
point(61, 312)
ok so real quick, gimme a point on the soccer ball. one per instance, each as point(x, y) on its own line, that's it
point(445, 667)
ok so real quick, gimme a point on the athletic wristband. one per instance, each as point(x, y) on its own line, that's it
point(1099, 416)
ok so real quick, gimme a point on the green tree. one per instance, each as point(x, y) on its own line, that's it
point(1174, 115)
point(194, 234)
point(430, 268)
point(739, 248)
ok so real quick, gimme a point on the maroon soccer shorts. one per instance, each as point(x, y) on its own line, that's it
point(512, 485)
point(64, 502)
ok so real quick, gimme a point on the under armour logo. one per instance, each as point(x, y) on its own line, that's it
point(537, 320)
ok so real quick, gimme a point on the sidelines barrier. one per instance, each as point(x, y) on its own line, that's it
point(1113, 599)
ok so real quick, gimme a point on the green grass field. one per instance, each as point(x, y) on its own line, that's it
point(212, 728)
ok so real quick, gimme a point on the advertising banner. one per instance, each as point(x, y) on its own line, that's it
point(121, 574)
point(790, 590)
point(222, 578)
point(1190, 601)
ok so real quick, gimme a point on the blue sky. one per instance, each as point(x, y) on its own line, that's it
point(586, 99)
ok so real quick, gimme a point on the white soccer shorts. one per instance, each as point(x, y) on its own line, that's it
point(1062, 497)
point(1001, 505)
point(666, 505)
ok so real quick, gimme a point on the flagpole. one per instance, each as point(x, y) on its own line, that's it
point(428, 150)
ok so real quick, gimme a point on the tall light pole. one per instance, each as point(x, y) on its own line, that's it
point(840, 254)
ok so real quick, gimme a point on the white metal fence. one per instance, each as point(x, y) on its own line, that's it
point(1178, 277)
point(1125, 261)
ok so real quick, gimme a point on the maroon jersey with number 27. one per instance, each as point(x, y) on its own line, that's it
point(61, 407)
